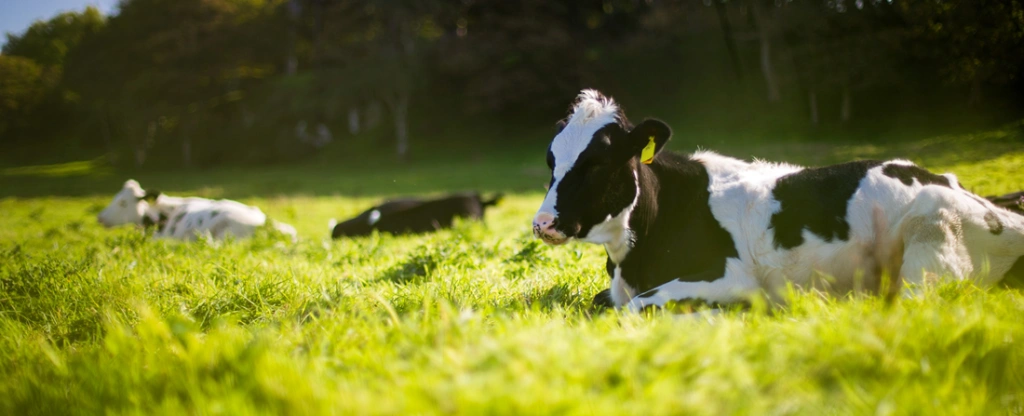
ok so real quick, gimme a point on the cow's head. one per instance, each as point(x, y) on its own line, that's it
point(594, 160)
point(128, 207)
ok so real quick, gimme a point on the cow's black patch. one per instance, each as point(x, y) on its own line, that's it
point(908, 173)
point(410, 215)
point(677, 236)
point(603, 300)
point(214, 213)
point(161, 222)
point(994, 225)
point(705, 276)
point(815, 199)
point(151, 195)
point(648, 294)
point(199, 223)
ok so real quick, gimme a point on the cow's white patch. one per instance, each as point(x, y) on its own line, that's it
point(736, 285)
point(620, 292)
point(374, 217)
point(590, 114)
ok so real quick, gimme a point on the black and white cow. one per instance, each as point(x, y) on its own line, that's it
point(414, 215)
point(713, 229)
point(184, 218)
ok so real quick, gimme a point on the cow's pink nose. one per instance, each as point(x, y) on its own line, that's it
point(543, 221)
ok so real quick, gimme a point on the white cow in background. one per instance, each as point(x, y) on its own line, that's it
point(184, 218)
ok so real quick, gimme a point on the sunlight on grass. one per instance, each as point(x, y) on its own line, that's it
point(480, 319)
point(93, 167)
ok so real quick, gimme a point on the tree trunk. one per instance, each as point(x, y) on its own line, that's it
point(137, 141)
point(292, 62)
point(140, 156)
point(186, 147)
point(108, 140)
point(845, 108)
point(186, 152)
point(812, 98)
point(730, 41)
point(319, 9)
point(353, 121)
point(767, 68)
point(400, 110)
point(975, 98)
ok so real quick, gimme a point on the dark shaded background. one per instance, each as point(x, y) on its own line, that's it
point(170, 84)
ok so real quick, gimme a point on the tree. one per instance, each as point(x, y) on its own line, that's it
point(30, 71)
point(23, 85)
point(172, 64)
point(975, 42)
point(379, 49)
point(48, 42)
point(836, 47)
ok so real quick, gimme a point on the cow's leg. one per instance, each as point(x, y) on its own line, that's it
point(934, 249)
point(733, 287)
point(951, 235)
point(603, 300)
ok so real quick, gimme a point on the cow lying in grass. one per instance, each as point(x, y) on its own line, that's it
point(711, 229)
point(411, 215)
point(184, 218)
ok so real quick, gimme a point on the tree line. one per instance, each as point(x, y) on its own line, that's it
point(203, 82)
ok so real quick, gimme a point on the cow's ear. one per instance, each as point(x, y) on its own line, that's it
point(648, 138)
point(151, 195)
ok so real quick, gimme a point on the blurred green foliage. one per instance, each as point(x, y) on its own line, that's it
point(199, 83)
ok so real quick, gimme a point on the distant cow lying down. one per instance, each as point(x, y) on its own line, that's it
point(411, 215)
point(184, 218)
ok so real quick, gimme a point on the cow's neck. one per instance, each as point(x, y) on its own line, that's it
point(624, 234)
point(153, 217)
point(674, 233)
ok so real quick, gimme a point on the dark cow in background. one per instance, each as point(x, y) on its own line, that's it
point(712, 229)
point(1013, 202)
point(412, 215)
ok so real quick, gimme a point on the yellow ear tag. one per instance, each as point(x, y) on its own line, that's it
point(647, 155)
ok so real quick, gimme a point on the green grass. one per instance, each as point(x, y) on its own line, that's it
point(481, 319)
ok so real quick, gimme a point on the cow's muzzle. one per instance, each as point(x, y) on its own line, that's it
point(544, 229)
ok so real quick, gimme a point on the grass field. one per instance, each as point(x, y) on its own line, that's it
point(481, 319)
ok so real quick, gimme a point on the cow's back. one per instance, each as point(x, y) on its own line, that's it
point(191, 217)
point(432, 215)
point(816, 227)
